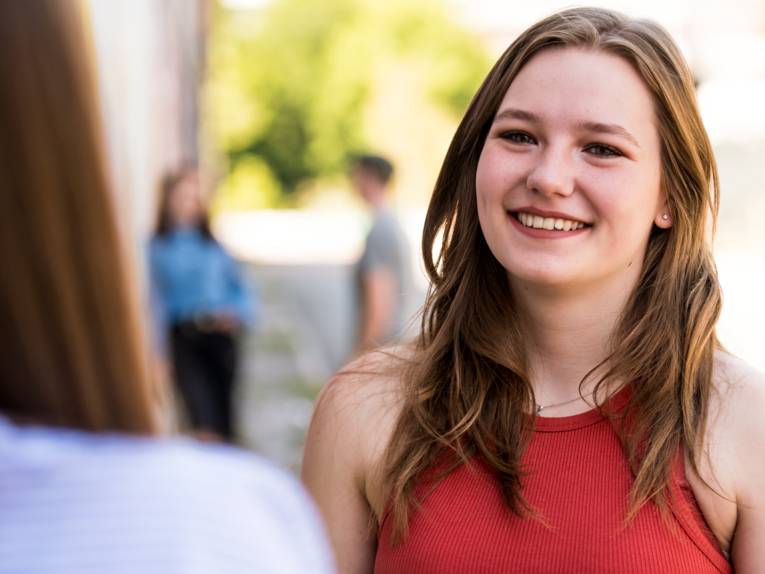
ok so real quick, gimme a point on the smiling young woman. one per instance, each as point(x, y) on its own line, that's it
point(566, 407)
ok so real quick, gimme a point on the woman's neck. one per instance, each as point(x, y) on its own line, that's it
point(568, 334)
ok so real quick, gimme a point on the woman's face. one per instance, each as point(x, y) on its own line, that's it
point(185, 203)
point(568, 181)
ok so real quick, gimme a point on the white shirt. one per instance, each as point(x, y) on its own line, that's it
point(73, 502)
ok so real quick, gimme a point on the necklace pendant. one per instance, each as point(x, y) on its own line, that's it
point(539, 409)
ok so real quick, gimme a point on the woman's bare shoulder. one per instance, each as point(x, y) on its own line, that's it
point(369, 386)
point(725, 468)
point(737, 442)
point(737, 384)
point(737, 415)
point(354, 418)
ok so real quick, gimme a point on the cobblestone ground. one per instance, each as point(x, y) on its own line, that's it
point(304, 335)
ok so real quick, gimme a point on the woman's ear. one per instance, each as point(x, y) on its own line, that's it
point(663, 220)
point(663, 217)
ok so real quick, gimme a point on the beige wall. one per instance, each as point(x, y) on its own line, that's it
point(149, 55)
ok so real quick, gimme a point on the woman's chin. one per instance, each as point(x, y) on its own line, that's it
point(544, 279)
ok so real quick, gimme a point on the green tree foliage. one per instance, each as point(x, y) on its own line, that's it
point(288, 87)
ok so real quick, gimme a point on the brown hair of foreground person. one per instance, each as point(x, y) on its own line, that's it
point(71, 353)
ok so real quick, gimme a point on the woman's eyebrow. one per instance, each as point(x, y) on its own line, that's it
point(513, 113)
point(596, 127)
point(612, 129)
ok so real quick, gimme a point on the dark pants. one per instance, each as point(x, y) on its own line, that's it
point(205, 367)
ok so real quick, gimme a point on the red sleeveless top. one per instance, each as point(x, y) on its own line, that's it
point(578, 480)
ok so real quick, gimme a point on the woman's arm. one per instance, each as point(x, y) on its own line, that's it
point(378, 312)
point(350, 428)
point(242, 300)
point(747, 408)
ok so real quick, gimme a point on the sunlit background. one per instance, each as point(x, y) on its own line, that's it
point(272, 97)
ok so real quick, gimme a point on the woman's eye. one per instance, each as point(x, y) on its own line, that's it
point(518, 137)
point(602, 150)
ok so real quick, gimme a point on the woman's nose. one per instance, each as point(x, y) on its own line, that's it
point(553, 174)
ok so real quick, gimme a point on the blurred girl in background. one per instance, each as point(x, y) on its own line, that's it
point(202, 303)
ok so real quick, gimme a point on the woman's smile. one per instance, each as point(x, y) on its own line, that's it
point(540, 224)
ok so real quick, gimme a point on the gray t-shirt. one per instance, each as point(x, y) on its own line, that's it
point(386, 248)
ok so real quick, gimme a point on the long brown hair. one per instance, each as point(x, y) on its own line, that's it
point(467, 389)
point(70, 345)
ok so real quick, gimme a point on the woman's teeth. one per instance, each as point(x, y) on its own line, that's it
point(539, 222)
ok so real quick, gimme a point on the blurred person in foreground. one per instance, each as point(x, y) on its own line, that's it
point(567, 406)
point(86, 483)
point(382, 272)
point(201, 303)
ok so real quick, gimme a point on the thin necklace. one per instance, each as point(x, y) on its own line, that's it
point(542, 407)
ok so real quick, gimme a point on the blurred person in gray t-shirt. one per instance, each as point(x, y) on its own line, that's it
point(382, 272)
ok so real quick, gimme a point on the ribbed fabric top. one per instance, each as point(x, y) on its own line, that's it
point(579, 481)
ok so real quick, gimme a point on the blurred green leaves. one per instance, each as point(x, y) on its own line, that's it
point(289, 87)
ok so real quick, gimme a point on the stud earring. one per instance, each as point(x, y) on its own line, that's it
point(665, 217)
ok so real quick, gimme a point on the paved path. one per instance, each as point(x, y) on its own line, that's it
point(304, 335)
